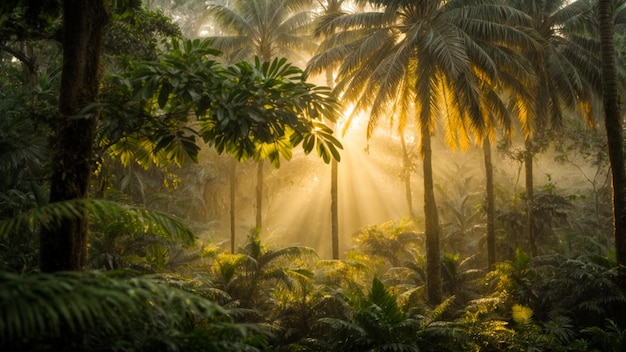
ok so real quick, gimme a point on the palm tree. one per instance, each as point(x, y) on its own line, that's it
point(266, 29)
point(613, 124)
point(330, 9)
point(423, 59)
point(513, 78)
point(566, 70)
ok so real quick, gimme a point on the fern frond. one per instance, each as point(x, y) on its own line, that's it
point(142, 220)
point(45, 305)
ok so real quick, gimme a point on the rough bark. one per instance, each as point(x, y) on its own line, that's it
point(64, 247)
point(433, 255)
point(490, 206)
point(613, 125)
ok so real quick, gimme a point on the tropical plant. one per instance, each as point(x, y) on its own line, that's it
point(379, 323)
point(386, 66)
point(329, 9)
point(567, 75)
point(265, 29)
point(613, 127)
point(250, 275)
point(608, 338)
point(460, 279)
point(92, 310)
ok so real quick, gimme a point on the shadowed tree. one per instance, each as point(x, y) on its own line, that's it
point(567, 75)
point(65, 247)
point(420, 59)
point(267, 29)
point(613, 125)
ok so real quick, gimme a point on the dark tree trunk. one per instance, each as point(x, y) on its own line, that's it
point(433, 255)
point(233, 191)
point(614, 135)
point(64, 247)
point(530, 227)
point(491, 233)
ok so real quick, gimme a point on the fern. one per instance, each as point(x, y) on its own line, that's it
point(141, 220)
point(93, 310)
point(45, 304)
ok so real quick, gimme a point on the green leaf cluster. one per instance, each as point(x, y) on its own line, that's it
point(259, 110)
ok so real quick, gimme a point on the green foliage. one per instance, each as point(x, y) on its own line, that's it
point(24, 19)
point(266, 109)
point(378, 324)
point(261, 110)
point(136, 31)
point(134, 219)
point(50, 312)
point(246, 275)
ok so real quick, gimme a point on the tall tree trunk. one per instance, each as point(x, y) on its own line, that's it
point(334, 207)
point(530, 227)
point(334, 189)
point(614, 127)
point(433, 255)
point(259, 195)
point(233, 191)
point(491, 232)
point(64, 247)
point(406, 175)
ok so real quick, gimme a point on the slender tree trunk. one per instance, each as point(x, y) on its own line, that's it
point(530, 228)
point(334, 207)
point(491, 232)
point(334, 189)
point(433, 255)
point(259, 195)
point(64, 247)
point(233, 191)
point(407, 176)
point(614, 127)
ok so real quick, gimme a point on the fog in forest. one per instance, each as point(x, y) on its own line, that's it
point(371, 188)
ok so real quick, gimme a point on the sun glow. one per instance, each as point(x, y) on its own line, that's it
point(370, 192)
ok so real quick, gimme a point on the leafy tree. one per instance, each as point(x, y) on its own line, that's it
point(150, 94)
point(265, 29)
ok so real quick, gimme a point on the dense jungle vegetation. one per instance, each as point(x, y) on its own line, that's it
point(118, 116)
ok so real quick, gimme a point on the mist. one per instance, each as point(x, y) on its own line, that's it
point(371, 188)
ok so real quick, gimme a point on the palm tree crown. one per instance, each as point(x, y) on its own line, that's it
point(426, 59)
point(265, 28)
